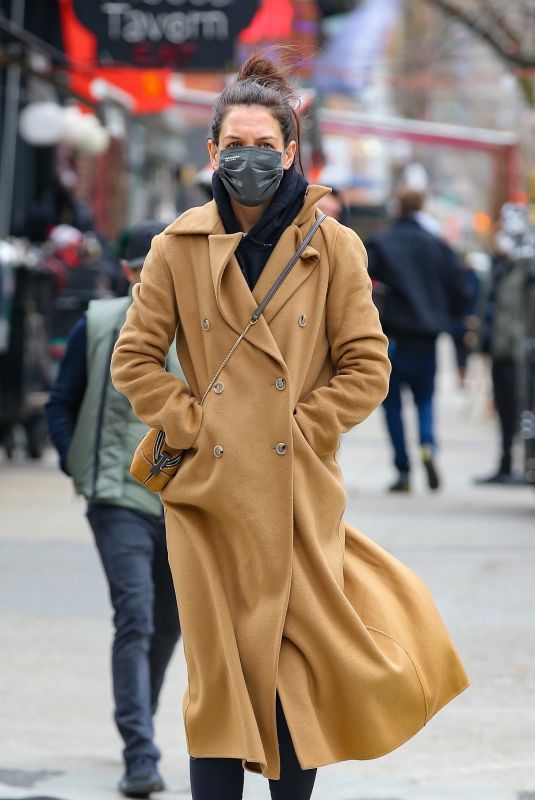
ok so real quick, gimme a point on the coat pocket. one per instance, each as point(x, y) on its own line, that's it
point(322, 436)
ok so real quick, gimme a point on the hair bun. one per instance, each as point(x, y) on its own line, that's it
point(262, 70)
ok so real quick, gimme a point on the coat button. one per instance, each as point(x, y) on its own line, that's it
point(281, 448)
point(280, 384)
point(218, 388)
point(206, 324)
point(218, 451)
point(302, 320)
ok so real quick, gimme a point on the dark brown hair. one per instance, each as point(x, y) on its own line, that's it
point(262, 82)
point(410, 200)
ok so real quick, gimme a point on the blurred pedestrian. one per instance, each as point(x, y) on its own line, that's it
point(283, 674)
point(58, 204)
point(502, 328)
point(464, 329)
point(425, 289)
point(95, 433)
point(334, 206)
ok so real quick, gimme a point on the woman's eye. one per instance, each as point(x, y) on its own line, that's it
point(262, 144)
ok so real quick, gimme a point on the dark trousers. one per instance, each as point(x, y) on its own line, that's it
point(504, 377)
point(133, 551)
point(413, 366)
point(222, 778)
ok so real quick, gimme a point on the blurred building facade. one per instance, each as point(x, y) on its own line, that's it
point(147, 74)
point(144, 74)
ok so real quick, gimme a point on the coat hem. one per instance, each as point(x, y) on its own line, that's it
point(390, 749)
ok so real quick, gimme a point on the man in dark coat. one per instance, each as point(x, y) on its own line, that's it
point(424, 289)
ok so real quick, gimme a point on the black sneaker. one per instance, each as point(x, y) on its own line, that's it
point(403, 483)
point(503, 478)
point(141, 778)
point(433, 480)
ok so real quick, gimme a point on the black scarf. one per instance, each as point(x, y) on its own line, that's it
point(255, 248)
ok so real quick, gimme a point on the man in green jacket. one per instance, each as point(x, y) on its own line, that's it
point(95, 433)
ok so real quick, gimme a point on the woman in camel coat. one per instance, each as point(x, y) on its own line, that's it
point(305, 643)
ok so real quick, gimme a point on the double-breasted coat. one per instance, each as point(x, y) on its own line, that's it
point(275, 591)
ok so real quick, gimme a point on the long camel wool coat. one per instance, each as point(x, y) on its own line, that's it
point(275, 591)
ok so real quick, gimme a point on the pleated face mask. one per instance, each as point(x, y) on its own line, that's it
point(251, 175)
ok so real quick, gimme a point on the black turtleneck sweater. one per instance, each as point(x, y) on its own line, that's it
point(256, 247)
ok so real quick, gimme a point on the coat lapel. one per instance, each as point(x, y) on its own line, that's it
point(234, 299)
point(233, 296)
point(229, 287)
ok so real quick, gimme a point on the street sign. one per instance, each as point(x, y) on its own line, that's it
point(170, 33)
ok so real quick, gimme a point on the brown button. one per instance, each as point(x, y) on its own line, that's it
point(206, 324)
point(280, 384)
point(218, 451)
point(302, 320)
point(281, 448)
point(218, 388)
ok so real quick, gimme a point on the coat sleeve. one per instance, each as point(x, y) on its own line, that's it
point(375, 261)
point(358, 351)
point(158, 398)
point(67, 392)
point(456, 280)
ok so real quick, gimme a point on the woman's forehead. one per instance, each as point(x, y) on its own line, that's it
point(255, 121)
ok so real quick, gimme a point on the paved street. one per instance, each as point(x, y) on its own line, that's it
point(475, 547)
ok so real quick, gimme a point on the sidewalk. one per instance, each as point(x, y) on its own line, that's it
point(474, 546)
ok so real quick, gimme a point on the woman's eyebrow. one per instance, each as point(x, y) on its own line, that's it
point(259, 139)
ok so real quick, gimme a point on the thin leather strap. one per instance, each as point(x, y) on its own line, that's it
point(225, 361)
point(255, 316)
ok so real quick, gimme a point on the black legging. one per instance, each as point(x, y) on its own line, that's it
point(222, 778)
point(504, 382)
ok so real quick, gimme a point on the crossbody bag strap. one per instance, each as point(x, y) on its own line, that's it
point(269, 296)
point(287, 269)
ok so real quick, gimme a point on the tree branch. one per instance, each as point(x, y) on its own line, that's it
point(502, 22)
point(454, 12)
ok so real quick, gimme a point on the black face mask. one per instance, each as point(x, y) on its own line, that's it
point(251, 175)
